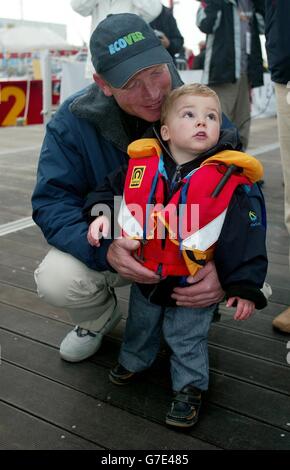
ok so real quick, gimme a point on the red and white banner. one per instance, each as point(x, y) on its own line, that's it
point(18, 95)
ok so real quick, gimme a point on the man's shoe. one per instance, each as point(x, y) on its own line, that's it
point(79, 344)
point(282, 321)
point(185, 408)
point(121, 376)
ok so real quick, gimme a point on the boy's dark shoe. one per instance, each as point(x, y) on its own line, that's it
point(121, 376)
point(185, 408)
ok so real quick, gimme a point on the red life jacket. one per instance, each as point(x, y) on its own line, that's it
point(178, 238)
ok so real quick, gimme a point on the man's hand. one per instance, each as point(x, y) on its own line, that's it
point(205, 290)
point(120, 256)
point(164, 41)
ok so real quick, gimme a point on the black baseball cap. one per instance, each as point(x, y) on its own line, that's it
point(123, 45)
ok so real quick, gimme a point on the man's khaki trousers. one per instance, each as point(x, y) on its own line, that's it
point(87, 295)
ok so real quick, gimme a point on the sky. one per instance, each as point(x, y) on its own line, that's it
point(78, 27)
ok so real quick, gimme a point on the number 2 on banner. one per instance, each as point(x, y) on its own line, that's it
point(18, 106)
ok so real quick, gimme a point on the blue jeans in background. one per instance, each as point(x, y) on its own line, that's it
point(185, 331)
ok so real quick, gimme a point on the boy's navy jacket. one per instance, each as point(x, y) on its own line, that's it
point(240, 255)
point(277, 31)
point(85, 141)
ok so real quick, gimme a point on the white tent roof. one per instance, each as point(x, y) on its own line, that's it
point(31, 38)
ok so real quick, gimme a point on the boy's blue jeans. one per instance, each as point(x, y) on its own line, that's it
point(185, 330)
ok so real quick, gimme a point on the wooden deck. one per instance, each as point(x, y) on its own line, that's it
point(46, 403)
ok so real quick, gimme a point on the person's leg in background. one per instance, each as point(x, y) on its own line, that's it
point(87, 295)
point(235, 103)
point(282, 321)
point(242, 110)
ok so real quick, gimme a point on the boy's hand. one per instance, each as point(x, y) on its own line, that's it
point(245, 308)
point(99, 228)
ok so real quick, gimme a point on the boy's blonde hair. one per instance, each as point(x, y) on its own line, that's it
point(193, 89)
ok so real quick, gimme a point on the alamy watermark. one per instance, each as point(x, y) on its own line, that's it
point(170, 220)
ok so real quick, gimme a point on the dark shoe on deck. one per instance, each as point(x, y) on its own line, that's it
point(121, 376)
point(185, 408)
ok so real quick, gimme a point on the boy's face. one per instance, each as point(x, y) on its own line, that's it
point(192, 125)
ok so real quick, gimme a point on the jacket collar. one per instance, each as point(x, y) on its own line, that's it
point(95, 107)
point(229, 140)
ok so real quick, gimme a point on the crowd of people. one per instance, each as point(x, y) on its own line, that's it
point(138, 134)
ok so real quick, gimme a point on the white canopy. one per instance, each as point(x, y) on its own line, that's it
point(30, 38)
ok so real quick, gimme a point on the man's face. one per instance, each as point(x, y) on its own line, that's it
point(143, 95)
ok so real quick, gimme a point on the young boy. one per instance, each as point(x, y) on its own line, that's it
point(187, 203)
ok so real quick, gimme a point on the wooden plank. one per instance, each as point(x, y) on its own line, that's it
point(19, 261)
point(17, 278)
point(281, 295)
point(24, 300)
point(219, 425)
point(259, 324)
point(27, 300)
point(18, 297)
point(231, 363)
point(272, 309)
point(21, 248)
point(280, 271)
point(87, 416)
point(15, 200)
point(7, 215)
point(278, 245)
point(234, 394)
point(248, 343)
point(50, 331)
point(246, 368)
point(252, 401)
point(250, 369)
point(30, 236)
point(279, 275)
point(239, 432)
point(236, 432)
point(277, 237)
point(33, 326)
point(19, 210)
point(277, 258)
point(21, 431)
